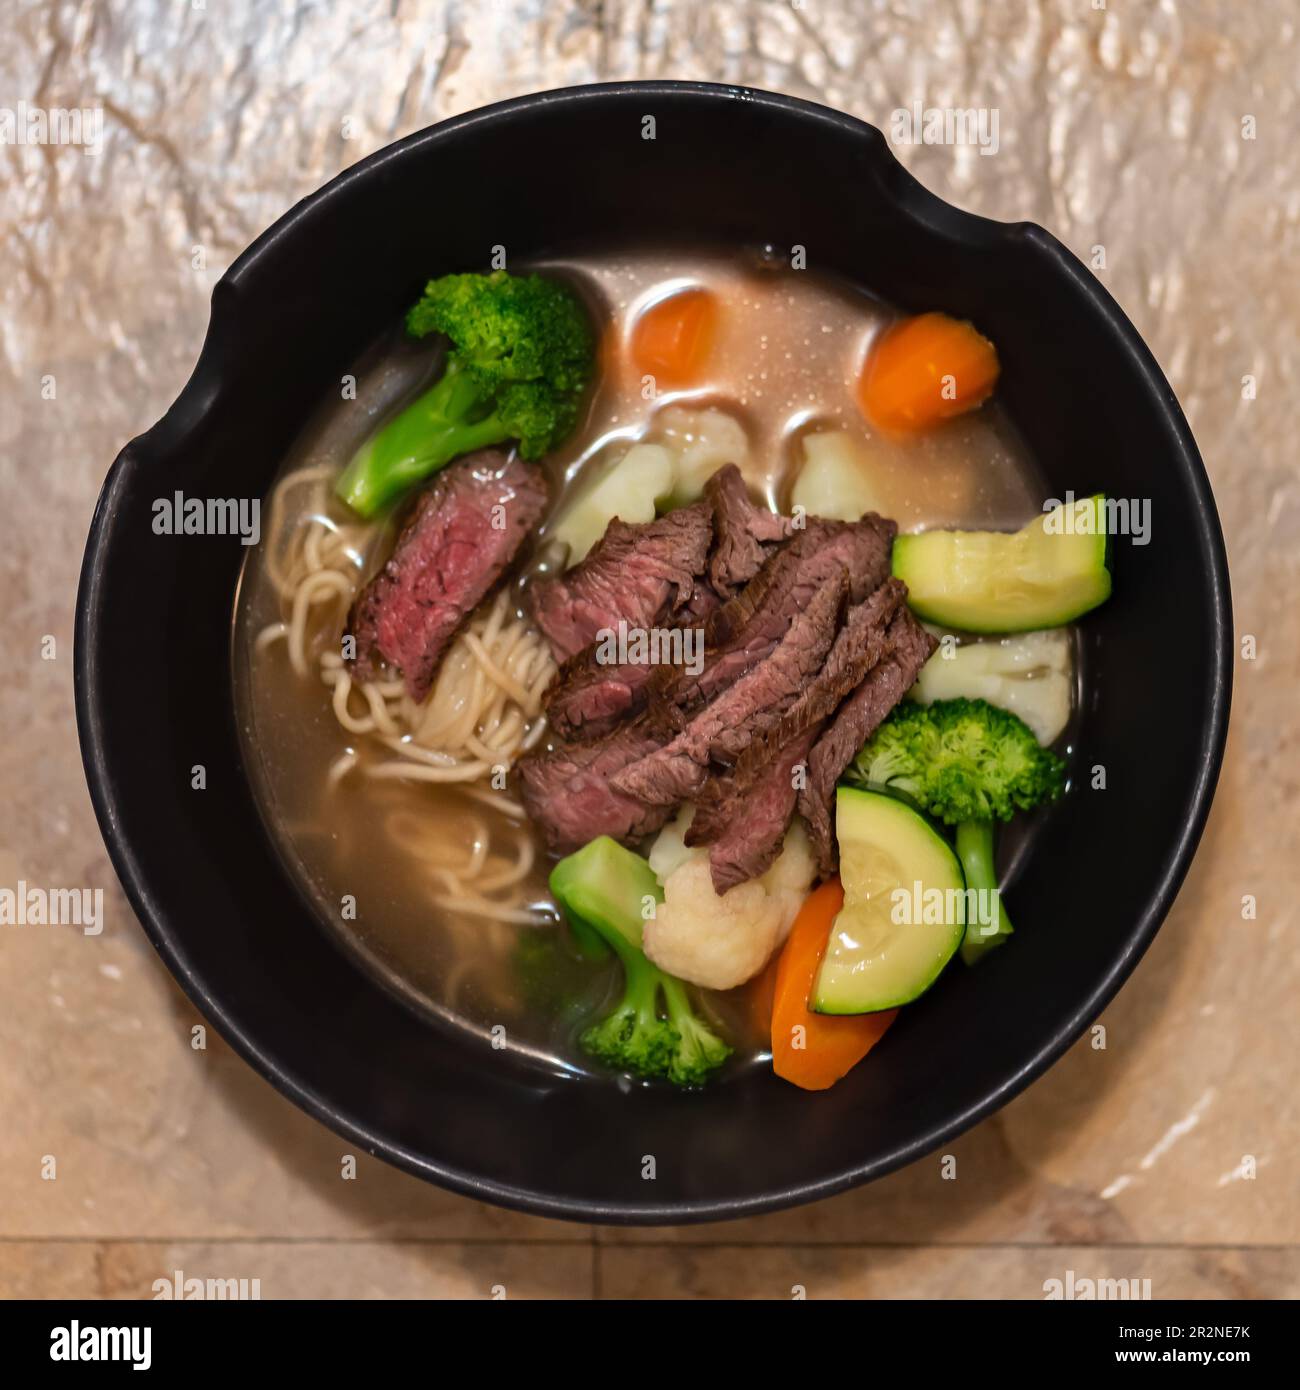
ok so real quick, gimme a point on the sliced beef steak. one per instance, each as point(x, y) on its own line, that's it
point(858, 647)
point(745, 830)
point(590, 694)
point(743, 814)
point(723, 729)
point(749, 625)
point(743, 532)
point(589, 697)
point(462, 534)
point(567, 792)
point(634, 574)
point(704, 600)
point(908, 646)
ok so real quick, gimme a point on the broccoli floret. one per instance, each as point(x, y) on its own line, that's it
point(699, 1051)
point(681, 1048)
point(966, 763)
point(960, 760)
point(509, 328)
point(604, 890)
point(521, 355)
point(633, 1037)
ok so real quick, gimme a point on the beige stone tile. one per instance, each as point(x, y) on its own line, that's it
point(153, 1139)
point(48, 1269)
point(824, 1271)
point(1139, 1143)
point(298, 1269)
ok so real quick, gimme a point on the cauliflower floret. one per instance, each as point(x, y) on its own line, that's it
point(836, 478)
point(794, 870)
point(669, 850)
point(720, 942)
point(703, 441)
point(791, 876)
point(717, 942)
point(628, 487)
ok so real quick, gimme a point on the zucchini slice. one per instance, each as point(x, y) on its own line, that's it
point(904, 907)
point(1044, 575)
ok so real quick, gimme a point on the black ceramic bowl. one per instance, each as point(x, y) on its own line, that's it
point(550, 174)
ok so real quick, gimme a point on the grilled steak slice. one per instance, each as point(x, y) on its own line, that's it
point(857, 649)
point(589, 695)
point(588, 698)
point(744, 532)
point(635, 573)
point(746, 829)
point(748, 626)
point(462, 535)
point(908, 648)
point(743, 814)
point(567, 792)
point(722, 730)
point(704, 600)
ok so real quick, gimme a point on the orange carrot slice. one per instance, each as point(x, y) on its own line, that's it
point(814, 1050)
point(672, 339)
point(760, 994)
point(926, 369)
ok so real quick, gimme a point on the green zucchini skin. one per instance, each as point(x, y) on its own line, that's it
point(857, 977)
point(925, 562)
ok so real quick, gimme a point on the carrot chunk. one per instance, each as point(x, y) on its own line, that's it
point(672, 339)
point(926, 369)
point(814, 1050)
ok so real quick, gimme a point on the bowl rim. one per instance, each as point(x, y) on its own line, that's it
point(202, 393)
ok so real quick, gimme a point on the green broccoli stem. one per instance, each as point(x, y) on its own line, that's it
point(675, 997)
point(641, 981)
point(604, 890)
point(590, 944)
point(682, 1048)
point(435, 428)
point(700, 1050)
point(975, 850)
point(632, 1037)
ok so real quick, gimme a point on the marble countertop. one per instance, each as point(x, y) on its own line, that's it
point(1166, 132)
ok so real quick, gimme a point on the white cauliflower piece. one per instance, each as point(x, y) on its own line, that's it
point(791, 876)
point(669, 850)
point(716, 942)
point(1031, 674)
point(722, 941)
point(836, 478)
point(794, 870)
point(629, 488)
point(703, 441)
